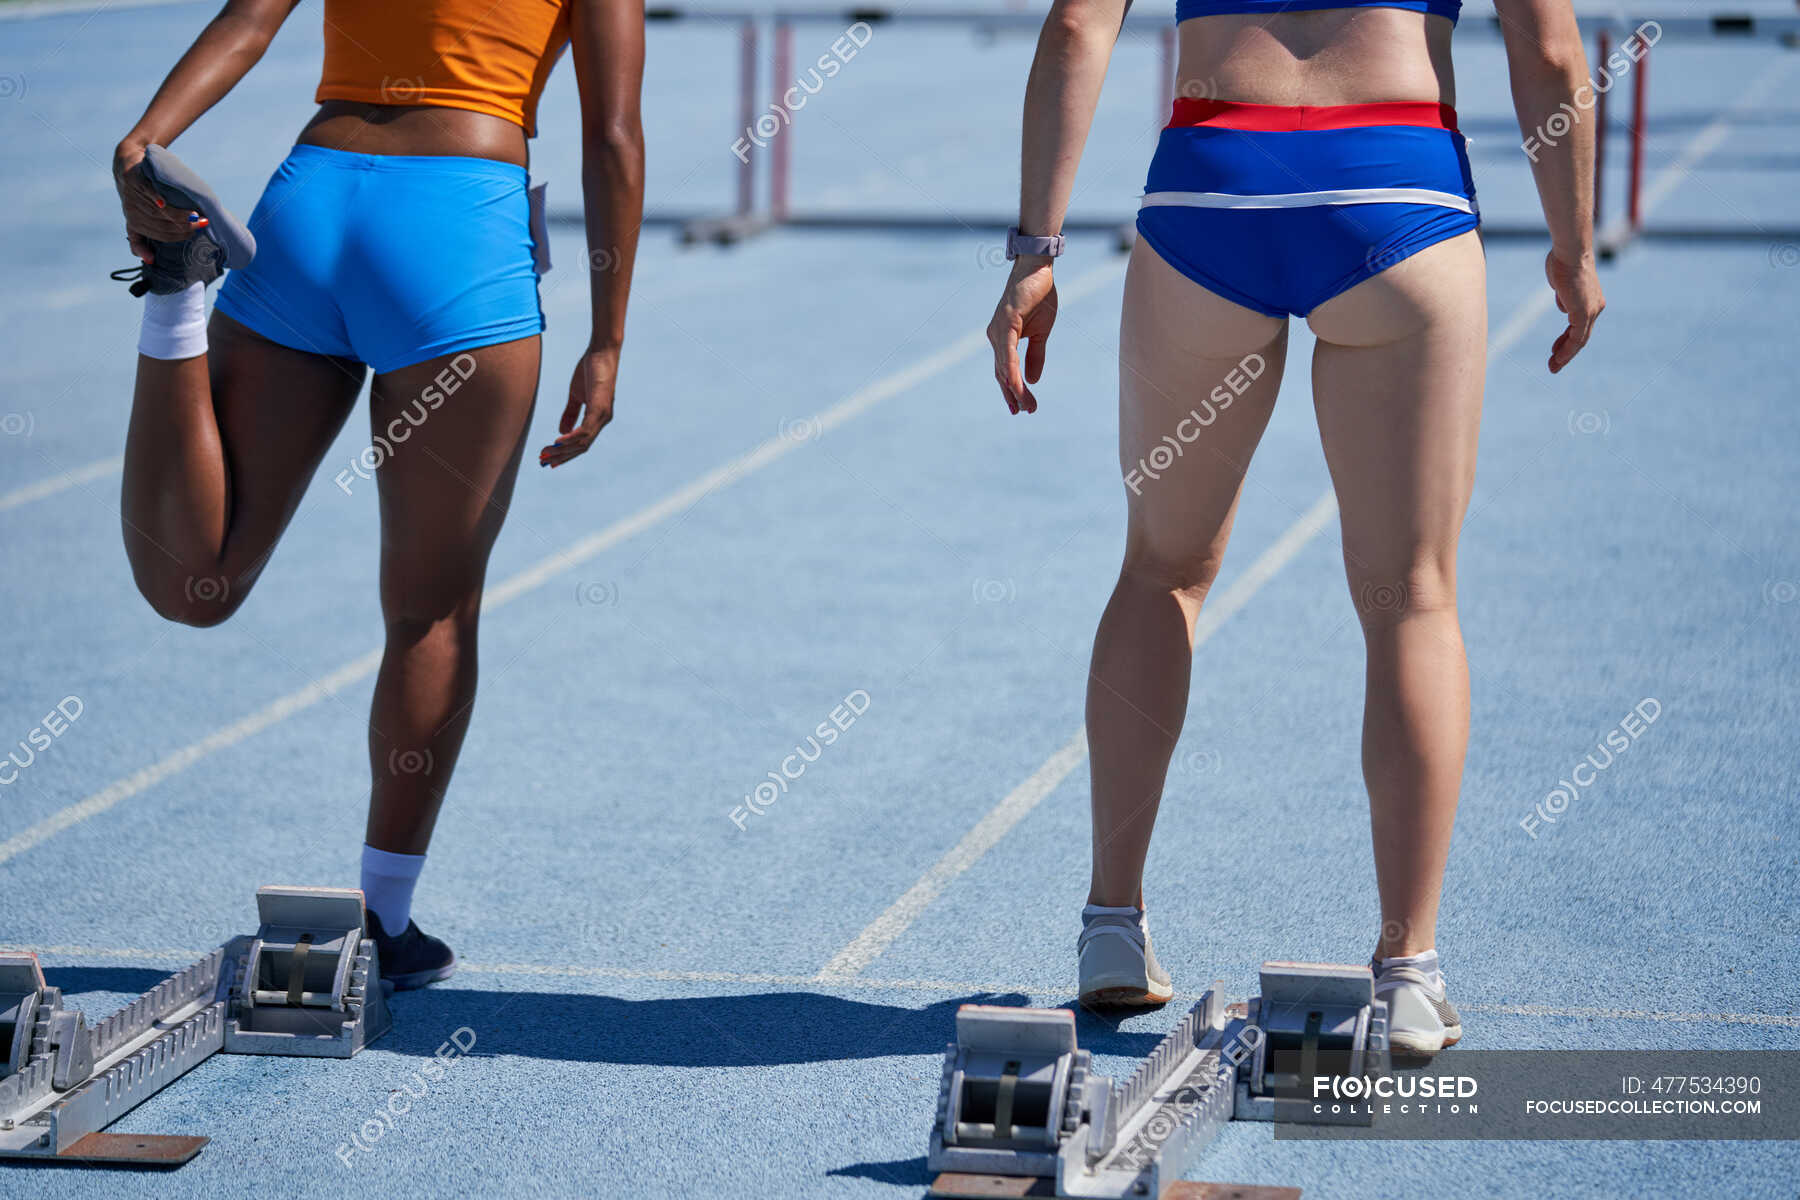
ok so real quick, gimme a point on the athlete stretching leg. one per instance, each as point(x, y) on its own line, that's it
point(1333, 185)
point(397, 236)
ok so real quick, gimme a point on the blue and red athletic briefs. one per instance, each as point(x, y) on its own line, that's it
point(1186, 10)
point(1281, 208)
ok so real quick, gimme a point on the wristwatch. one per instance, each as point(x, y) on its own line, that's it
point(1018, 243)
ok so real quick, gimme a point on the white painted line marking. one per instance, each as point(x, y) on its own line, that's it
point(1633, 1014)
point(881, 932)
point(57, 483)
point(78, 295)
point(1515, 327)
point(868, 944)
point(532, 577)
point(188, 755)
point(1709, 138)
point(864, 983)
point(29, 9)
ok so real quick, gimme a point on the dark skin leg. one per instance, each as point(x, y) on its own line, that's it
point(444, 492)
point(220, 450)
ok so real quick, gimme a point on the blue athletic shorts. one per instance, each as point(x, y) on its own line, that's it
point(1281, 208)
point(387, 259)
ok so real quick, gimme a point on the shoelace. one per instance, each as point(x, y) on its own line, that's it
point(137, 276)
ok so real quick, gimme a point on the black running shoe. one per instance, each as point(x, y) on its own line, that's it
point(413, 959)
point(225, 243)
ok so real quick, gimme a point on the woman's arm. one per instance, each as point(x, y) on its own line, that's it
point(226, 49)
point(607, 38)
point(1073, 51)
point(1549, 73)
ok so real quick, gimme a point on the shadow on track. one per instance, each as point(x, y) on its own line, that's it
point(754, 1030)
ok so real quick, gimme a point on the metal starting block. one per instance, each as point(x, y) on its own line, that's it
point(307, 983)
point(1020, 1113)
point(1316, 1021)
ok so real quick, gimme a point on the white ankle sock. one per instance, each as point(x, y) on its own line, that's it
point(388, 881)
point(174, 324)
point(1425, 962)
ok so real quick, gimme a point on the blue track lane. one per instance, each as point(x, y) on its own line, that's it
point(639, 971)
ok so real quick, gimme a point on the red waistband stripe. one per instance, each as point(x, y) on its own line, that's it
point(1281, 118)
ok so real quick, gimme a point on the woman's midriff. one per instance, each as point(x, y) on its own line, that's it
point(414, 129)
point(1330, 56)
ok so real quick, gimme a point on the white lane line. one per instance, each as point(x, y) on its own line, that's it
point(27, 9)
point(535, 576)
point(1633, 1014)
point(1696, 149)
point(1709, 138)
point(882, 931)
point(130, 953)
point(57, 483)
point(190, 754)
point(864, 948)
point(76, 296)
point(1515, 327)
point(864, 983)
point(1292, 540)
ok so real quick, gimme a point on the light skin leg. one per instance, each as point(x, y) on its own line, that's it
point(1397, 386)
point(1178, 343)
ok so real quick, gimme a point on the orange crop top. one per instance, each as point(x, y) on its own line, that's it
point(491, 56)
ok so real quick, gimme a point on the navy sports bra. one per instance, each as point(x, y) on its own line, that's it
point(1209, 8)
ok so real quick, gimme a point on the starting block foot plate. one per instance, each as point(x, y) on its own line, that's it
point(152, 1150)
point(958, 1185)
point(962, 1185)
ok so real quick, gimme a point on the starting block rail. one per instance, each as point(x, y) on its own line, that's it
point(307, 983)
point(1020, 1112)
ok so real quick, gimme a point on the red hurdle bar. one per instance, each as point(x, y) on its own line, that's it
point(746, 182)
point(1602, 49)
point(780, 155)
point(1638, 123)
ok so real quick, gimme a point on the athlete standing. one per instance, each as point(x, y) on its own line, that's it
point(1313, 168)
point(396, 238)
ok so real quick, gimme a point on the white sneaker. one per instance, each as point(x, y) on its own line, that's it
point(1118, 964)
point(1421, 1019)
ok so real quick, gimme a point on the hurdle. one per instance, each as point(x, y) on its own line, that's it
point(780, 204)
point(1633, 56)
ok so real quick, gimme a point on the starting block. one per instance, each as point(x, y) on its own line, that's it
point(1020, 1112)
point(307, 983)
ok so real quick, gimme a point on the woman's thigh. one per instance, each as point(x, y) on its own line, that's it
point(276, 411)
point(450, 433)
point(1397, 385)
point(1198, 376)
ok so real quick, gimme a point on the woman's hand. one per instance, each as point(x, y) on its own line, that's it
point(1027, 310)
point(148, 218)
point(1577, 288)
point(590, 404)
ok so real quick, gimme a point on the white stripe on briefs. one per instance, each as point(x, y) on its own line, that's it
point(1310, 199)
